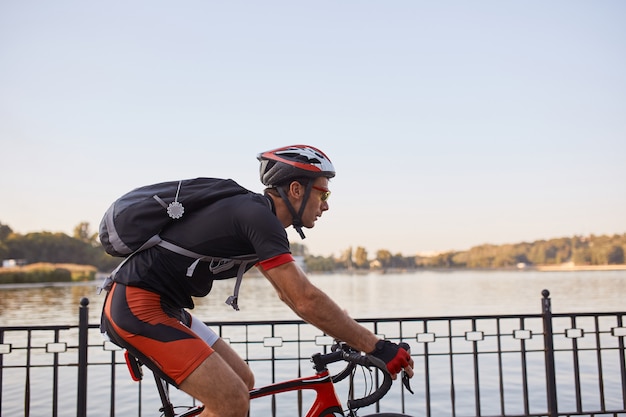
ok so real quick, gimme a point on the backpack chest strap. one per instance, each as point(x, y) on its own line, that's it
point(216, 265)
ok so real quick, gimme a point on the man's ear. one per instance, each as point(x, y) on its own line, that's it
point(296, 190)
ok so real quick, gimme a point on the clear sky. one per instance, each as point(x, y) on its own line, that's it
point(450, 123)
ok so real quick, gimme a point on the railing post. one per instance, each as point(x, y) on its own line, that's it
point(546, 312)
point(1, 369)
point(83, 327)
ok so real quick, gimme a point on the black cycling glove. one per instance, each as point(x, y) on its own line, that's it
point(396, 356)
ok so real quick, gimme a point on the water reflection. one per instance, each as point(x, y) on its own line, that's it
point(421, 294)
point(42, 305)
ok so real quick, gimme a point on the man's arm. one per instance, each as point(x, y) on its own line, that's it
point(316, 307)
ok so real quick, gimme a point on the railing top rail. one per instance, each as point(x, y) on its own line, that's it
point(364, 320)
point(616, 313)
point(40, 327)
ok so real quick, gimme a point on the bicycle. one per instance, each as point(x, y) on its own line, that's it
point(326, 402)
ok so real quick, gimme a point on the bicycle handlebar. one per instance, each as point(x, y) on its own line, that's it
point(354, 358)
point(367, 361)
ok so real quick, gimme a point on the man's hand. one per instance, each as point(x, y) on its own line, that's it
point(396, 356)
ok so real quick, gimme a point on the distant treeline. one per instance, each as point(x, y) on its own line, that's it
point(47, 272)
point(83, 248)
point(577, 250)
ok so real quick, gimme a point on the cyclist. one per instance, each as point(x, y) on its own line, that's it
point(146, 308)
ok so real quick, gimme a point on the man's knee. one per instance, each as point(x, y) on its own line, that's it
point(238, 403)
point(235, 362)
point(212, 382)
point(248, 379)
point(235, 409)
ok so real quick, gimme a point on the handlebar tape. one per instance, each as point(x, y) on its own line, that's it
point(356, 358)
point(380, 392)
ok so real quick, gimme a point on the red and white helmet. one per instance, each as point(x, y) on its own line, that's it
point(279, 166)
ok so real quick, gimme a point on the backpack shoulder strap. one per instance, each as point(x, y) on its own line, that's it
point(216, 265)
point(233, 299)
point(108, 282)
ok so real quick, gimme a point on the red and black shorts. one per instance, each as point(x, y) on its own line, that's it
point(159, 335)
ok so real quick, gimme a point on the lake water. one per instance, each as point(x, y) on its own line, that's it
point(418, 294)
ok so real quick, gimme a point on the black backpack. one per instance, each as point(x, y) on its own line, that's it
point(134, 221)
point(139, 215)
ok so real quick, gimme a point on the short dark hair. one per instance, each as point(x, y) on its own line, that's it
point(285, 185)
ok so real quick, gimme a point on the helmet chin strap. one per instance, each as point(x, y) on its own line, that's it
point(297, 217)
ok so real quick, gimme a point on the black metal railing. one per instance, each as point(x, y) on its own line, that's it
point(511, 365)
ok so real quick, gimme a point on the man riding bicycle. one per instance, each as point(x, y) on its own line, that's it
point(146, 307)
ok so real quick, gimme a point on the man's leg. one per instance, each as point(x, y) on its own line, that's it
point(233, 359)
point(218, 387)
point(220, 346)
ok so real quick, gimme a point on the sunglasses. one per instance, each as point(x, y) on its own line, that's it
point(325, 192)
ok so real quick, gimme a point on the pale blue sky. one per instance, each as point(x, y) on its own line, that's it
point(450, 123)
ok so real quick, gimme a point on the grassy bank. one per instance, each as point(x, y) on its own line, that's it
point(47, 272)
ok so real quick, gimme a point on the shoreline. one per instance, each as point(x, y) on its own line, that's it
point(569, 267)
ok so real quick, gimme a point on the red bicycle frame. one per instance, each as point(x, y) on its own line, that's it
point(326, 402)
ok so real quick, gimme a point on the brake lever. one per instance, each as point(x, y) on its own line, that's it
point(406, 381)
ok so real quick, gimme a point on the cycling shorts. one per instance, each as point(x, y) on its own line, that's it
point(162, 337)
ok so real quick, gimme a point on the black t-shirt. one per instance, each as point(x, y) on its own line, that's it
point(243, 224)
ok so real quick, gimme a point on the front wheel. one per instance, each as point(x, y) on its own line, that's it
point(387, 415)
